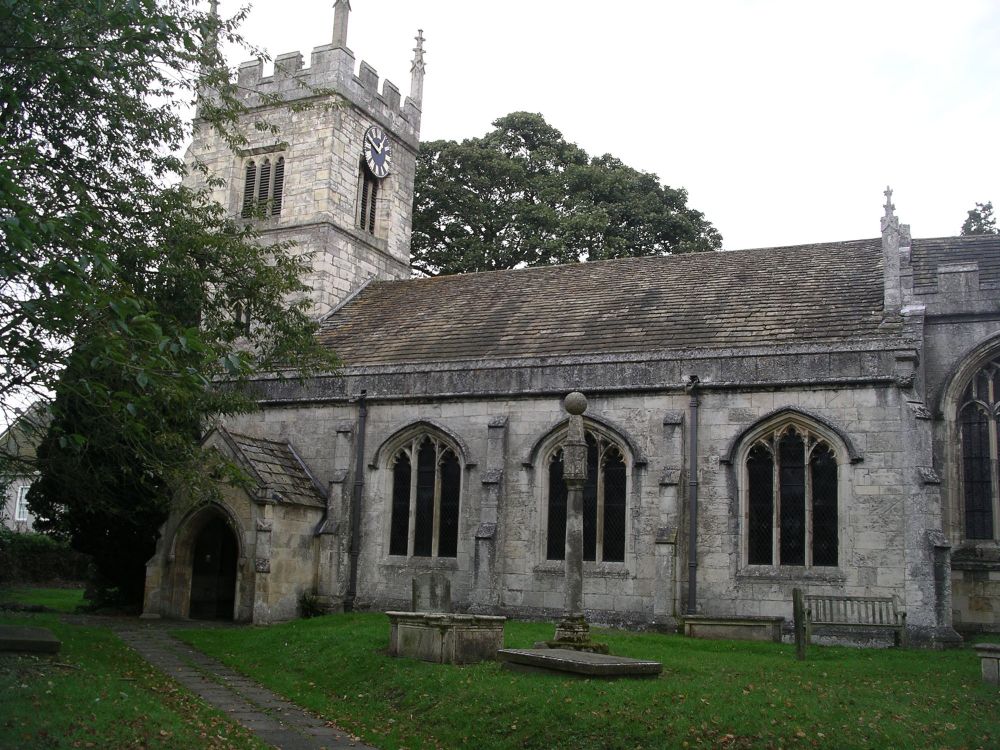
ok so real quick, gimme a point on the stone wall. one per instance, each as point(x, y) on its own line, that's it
point(286, 558)
point(503, 438)
point(962, 329)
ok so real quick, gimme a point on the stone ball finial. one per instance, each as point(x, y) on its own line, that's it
point(575, 403)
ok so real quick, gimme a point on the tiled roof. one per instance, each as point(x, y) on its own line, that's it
point(280, 470)
point(927, 255)
point(807, 294)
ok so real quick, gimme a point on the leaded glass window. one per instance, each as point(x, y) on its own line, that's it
point(791, 500)
point(604, 503)
point(426, 490)
point(978, 435)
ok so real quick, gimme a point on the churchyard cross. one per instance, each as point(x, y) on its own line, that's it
point(573, 627)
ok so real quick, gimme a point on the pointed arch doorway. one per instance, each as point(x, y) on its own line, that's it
point(213, 572)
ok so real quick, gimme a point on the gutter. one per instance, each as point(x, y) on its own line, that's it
point(354, 543)
point(692, 599)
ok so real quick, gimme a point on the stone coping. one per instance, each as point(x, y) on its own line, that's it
point(446, 617)
point(581, 663)
point(732, 619)
point(988, 649)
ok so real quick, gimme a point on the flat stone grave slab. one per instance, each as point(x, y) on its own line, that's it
point(33, 640)
point(580, 663)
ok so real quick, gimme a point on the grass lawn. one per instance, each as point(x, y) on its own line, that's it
point(62, 600)
point(711, 694)
point(96, 693)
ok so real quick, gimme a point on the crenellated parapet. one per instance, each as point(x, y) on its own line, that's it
point(303, 174)
point(331, 70)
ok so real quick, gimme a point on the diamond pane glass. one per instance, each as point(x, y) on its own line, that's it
point(982, 386)
point(556, 542)
point(399, 529)
point(423, 530)
point(792, 485)
point(614, 507)
point(451, 481)
point(823, 466)
point(977, 481)
point(590, 502)
point(760, 476)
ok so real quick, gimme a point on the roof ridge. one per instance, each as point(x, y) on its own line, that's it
point(583, 266)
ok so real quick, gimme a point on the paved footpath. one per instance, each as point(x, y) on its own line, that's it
point(275, 720)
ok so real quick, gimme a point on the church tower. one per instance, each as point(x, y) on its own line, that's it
point(335, 173)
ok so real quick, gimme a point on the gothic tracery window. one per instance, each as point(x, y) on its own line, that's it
point(791, 500)
point(426, 487)
point(978, 421)
point(263, 187)
point(604, 503)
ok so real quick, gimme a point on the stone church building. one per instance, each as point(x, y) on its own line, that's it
point(822, 416)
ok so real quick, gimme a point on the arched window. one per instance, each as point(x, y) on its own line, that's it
point(604, 503)
point(367, 198)
point(249, 188)
point(791, 479)
point(426, 488)
point(263, 187)
point(978, 437)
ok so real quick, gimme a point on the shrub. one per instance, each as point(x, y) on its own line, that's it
point(36, 558)
point(310, 605)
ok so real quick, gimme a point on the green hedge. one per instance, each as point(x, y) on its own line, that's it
point(36, 558)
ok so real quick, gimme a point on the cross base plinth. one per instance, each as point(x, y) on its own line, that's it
point(574, 633)
point(573, 630)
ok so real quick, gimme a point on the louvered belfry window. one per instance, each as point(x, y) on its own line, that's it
point(426, 491)
point(367, 199)
point(249, 189)
point(263, 187)
point(979, 435)
point(604, 503)
point(791, 500)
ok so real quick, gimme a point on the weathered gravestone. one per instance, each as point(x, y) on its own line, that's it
point(989, 658)
point(431, 593)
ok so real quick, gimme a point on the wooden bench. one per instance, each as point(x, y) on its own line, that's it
point(880, 612)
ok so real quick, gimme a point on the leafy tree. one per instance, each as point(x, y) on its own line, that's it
point(980, 220)
point(118, 285)
point(523, 196)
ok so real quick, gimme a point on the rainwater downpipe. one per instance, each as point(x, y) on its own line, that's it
point(692, 389)
point(357, 492)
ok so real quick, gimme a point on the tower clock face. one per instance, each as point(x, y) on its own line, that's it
point(378, 152)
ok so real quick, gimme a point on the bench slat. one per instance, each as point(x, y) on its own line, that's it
point(866, 611)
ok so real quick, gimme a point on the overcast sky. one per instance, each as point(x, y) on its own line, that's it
point(784, 120)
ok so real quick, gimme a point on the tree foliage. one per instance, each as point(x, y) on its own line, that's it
point(523, 196)
point(980, 220)
point(117, 283)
